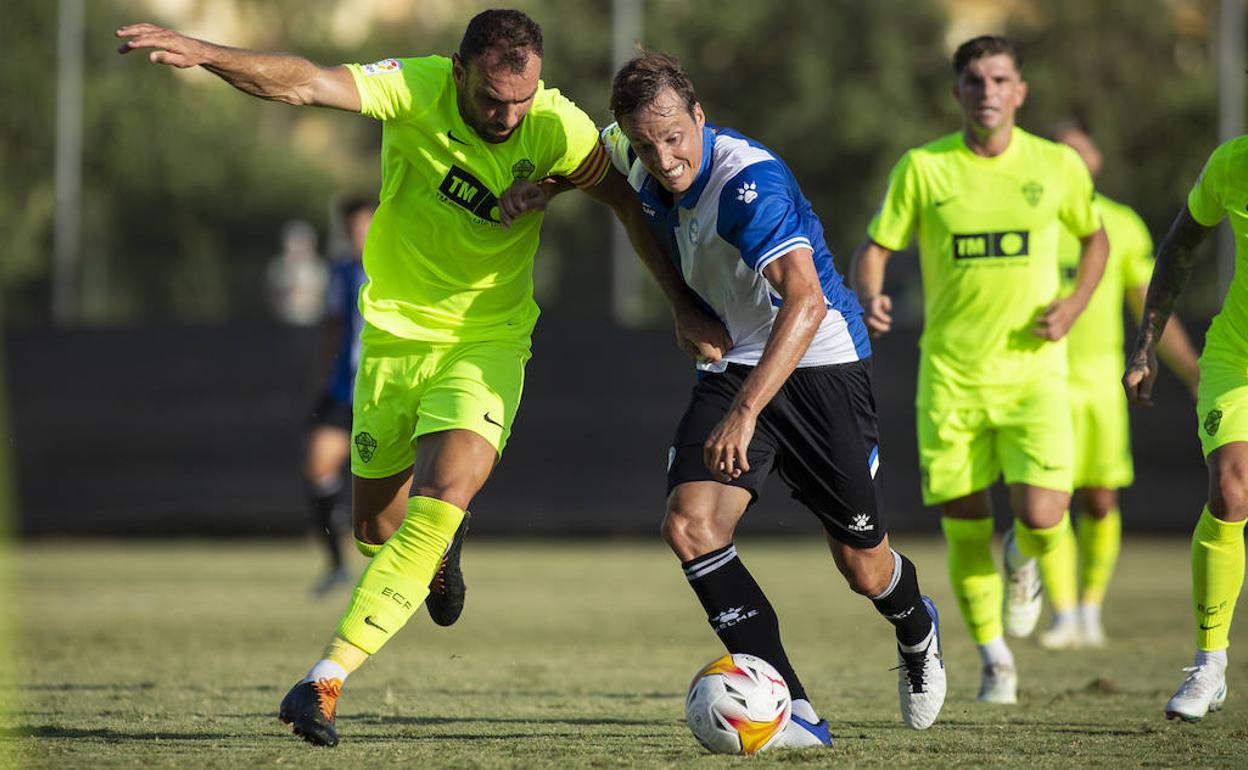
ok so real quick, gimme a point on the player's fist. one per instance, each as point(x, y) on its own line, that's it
point(522, 197)
point(169, 47)
point(1139, 377)
point(877, 313)
point(1056, 319)
point(701, 335)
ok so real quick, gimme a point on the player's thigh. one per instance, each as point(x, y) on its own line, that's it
point(702, 516)
point(1221, 400)
point(476, 388)
point(452, 465)
point(708, 404)
point(1034, 437)
point(956, 453)
point(1102, 438)
point(389, 385)
point(824, 424)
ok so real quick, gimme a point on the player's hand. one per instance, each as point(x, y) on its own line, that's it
point(725, 450)
point(1139, 377)
point(170, 47)
point(522, 197)
point(700, 335)
point(1057, 319)
point(877, 313)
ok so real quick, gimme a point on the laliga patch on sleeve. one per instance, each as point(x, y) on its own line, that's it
point(383, 67)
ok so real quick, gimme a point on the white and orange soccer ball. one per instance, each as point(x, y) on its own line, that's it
point(738, 704)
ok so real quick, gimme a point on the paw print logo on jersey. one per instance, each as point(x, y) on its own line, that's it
point(747, 192)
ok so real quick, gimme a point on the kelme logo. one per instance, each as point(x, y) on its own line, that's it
point(1033, 192)
point(365, 444)
point(1212, 421)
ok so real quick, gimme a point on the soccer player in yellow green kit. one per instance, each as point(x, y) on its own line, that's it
point(987, 204)
point(448, 307)
point(1221, 414)
point(1098, 407)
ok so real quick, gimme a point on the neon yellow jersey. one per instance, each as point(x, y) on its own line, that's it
point(987, 230)
point(440, 266)
point(1222, 190)
point(1094, 344)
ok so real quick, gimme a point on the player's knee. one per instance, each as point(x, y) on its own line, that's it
point(1228, 498)
point(866, 576)
point(690, 535)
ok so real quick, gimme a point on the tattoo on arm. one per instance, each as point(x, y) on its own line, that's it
point(1175, 259)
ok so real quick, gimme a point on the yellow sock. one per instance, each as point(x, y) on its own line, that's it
point(345, 654)
point(368, 549)
point(1217, 575)
point(973, 574)
point(397, 579)
point(1099, 543)
point(1054, 550)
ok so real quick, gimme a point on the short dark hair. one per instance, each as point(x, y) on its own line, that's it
point(512, 34)
point(640, 80)
point(985, 45)
point(348, 206)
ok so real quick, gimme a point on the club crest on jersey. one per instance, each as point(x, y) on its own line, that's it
point(469, 193)
point(1213, 421)
point(382, 67)
point(747, 192)
point(1033, 191)
point(693, 231)
point(522, 169)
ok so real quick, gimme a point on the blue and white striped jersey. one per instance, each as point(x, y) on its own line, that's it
point(743, 211)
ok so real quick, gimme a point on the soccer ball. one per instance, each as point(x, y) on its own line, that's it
point(738, 704)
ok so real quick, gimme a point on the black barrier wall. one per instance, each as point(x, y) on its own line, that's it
point(199, 431)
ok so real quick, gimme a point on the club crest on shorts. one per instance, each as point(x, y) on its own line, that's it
point(1212, 421)
point(365, 445)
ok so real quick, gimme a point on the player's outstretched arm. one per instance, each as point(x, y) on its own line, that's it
point(1175, 258)
point(802, 309)
point(1061, 314)
point(866, 278)
point(1175, 348)
point(699, 334)
point(277, 77)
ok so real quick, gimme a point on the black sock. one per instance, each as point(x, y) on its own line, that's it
point(738, 611)
point(902, 605)
point(323, 499)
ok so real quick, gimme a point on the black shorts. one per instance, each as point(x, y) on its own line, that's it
point(819, 433)
point(330, 412)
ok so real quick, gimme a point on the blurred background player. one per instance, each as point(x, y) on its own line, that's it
point(329, 437)
point(793, 394)
point(1221, 414)
point(297, 277)
point(448, 307)
point(987, 204)
point(1094, 349)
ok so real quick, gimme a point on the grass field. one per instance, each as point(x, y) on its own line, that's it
point(568, 655)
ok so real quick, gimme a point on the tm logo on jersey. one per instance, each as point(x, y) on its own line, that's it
point(747, 192)
point(1009, 243)
point(466, 191)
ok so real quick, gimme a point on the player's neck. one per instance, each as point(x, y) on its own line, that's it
point(987, 144)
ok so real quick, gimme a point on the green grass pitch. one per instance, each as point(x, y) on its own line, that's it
point(570, 654)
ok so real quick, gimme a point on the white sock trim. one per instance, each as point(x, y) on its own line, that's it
point(705, 566)
point(1215, 657)
point(896, 578)
point(995, 651)
point(326, 669)
point(803, 709)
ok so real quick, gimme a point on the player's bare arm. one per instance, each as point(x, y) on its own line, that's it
point(866, 278)
point(1175, 258)
point(802, 309)
point(1061, 314)
point(1175, 348)
point(276, 77)
point(699, 334)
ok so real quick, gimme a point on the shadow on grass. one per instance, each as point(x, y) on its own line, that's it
point(112, 736)
point(69, 687)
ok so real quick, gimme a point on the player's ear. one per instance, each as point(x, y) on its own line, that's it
point(699, 117)
point(458, 71)
point(1022, 93)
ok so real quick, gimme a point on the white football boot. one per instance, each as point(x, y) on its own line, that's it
point(1064, 634)
point(999, 684)
point(1022, 593)
point(921, 678)
point(800, 734)
point(1203, 690)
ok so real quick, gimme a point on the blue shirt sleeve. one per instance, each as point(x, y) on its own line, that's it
point(758, 215)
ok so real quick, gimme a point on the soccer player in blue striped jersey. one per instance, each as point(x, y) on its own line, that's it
point(792, 394)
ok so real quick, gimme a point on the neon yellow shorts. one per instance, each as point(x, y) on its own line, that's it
point(965, 448)
point(1102, 436)
point(1221, 400)
point(405, 389)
